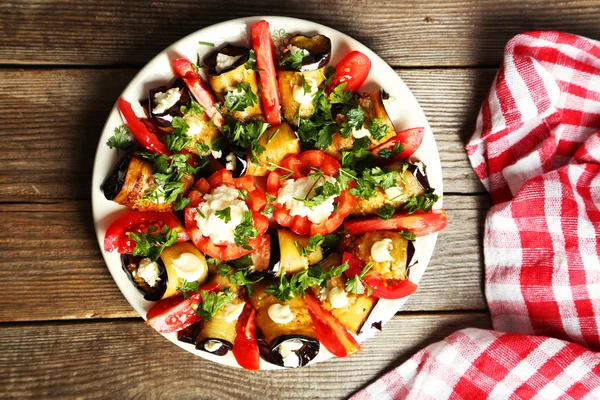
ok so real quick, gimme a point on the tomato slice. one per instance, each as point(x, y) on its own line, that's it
point(411, 139)
point(256, 202)
point(176, 313)
point(329, 330)
point(140, 221)
point(183, 68)
point(269, 93)
point(382, 288)
point(302, 165)
point(353, 69)
point(245, 346)
point(420, 223)
point(140, 132)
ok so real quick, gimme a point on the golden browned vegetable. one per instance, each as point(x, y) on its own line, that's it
point(279, 142)
point(202, 131)
point(290, 259)
point(288, 80)
point(229, 81)
point(173, 252)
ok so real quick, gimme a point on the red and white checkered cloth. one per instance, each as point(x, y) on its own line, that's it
point(536, 148)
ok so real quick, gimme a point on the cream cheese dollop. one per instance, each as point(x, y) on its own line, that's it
point(280, 314)
point(380, 251)
point(189, 267)
point(233, 311)
point(288, 350)
point(338, 298)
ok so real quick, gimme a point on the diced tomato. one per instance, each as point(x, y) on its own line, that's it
point(353, 70)
point(410, 139)
point(420, 223)
point(330, 332)
point(139, 221)
point(140, 132)
point(183, 68)
point(301, 166)
point(382, 288)
point(256, 202)
point(269, 92)
point(176, 313)
point(245, 346)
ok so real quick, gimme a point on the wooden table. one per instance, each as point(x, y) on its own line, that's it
point(66, 330)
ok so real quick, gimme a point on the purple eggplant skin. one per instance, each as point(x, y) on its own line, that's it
point(274, 257)
point(189, 334)
point(270, 353)
point(224, 349)
point(319, 49)
point(241, 158)
point(418, 172)
point(115, 180)
point(175, 110)
point(210, 61)
point(154, 294)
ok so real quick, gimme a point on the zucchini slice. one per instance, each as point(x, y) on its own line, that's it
point(285, 255)
point(173, 256)
point(292, 81)
point(279, 142)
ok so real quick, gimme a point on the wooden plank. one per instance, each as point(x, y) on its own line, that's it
point(52, 267)
point(422, 33)
point(48, 151)
point(82, 360)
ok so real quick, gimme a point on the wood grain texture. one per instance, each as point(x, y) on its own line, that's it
point(52, 267)
point(422, 33)
point(101, 359)
point(50, 127)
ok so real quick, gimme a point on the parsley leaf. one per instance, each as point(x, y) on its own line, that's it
point(121, 139)
point(408, 235)
point(151, 244)
point(246, 135)
point(181, 203)
point(378, 128)
point(355, 121)
point(340, 95)
point(212, 302)
point(386, 211)
point(293, 58)
point(240, 98)
point(422, 202)
point(356, 284)
point(185, 287)
point(224, 214)
point(245, 230)
point(313, 242)
point(193, 108)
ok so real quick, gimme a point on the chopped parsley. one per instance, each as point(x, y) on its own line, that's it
point(209, 44)
point(292, 58)
point(422, 202)
point(313, 243)
point(408, 235)
point(386, 211)
point(121, 138)
point(151, 244)
point(241, 98)
point(193, 108)
point(212, 302)
point(378, 128)
point(287, 289)
point(322, 193)
point(244, 231)
point(357, 285)
point(246, 135)
point(224, 214)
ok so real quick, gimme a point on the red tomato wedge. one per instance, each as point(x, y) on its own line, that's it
point(256, 202)
point(301, 166)
point(410, 139)
point(245, 346)
point(183, 68)
point(139, 221)
point(140, 132)
point(269, 92)
point(176, 313)
point(353, 70)
point(382, 288)
point(330, 332)
point(420, 223)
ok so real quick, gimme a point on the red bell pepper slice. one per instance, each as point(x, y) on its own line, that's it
point(139, 221)
point(420, 223)
point(382, 288)
point(140, 132)
point(353, 69)
point(176, 313)
point(410, 139)
point(183, 68)
point(245, 346)
point(302, 165)
point(269, 93)
point(329, 330)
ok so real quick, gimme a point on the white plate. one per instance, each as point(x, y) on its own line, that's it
point(158, 72)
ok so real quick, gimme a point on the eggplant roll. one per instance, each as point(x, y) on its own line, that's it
point(372, 104)
point(413, 182)
point(218, 335)
point(289, 342)
point(318, 48)
point(279, 143)
point(401, 251)
point(160, 279)
point(285, 256)
point(160, 114)
point(295, 101)
point(226, 70)
point(130, 181)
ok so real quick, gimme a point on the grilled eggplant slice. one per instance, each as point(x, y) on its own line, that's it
point(130, 265)
point(412, 182)
point(130, 181)
point(319, 53)
point(279, 143)
point(402, 252)
point(162, 120)
point(218, 335)
point(285, 256)
point(300, 329)
point(183, 261)
point(227, 79)
point(233, 158)
point(202, 131)
point(291, 82)
point(372, 104)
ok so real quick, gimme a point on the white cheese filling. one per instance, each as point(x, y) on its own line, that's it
point(380, 251)
point(230, 161)
point(233, 311)
point(195, 124)
point(303, 97)
point(395, 194)
point(293, 49)
point(392, 108)
point(361, 133)
point(212, 346)
point(189, 267)
point(216, 154)
point(288, 350)
point(149, 271)
point(299, 189)
point(338, 297)
point(213, 226)
point(224, 61)
point(165, 100)
point(280, 314)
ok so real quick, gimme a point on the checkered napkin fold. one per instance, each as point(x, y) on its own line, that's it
point(536, 148)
